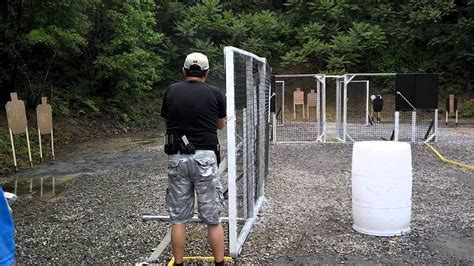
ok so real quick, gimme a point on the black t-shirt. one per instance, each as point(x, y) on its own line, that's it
point(192, 108)
point(378, 104)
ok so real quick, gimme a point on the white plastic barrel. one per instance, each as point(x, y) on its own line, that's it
point(381, 187)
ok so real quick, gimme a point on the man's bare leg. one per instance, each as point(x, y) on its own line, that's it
point(178, 237)
point(216, 240)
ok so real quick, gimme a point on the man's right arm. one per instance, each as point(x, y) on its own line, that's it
point(221, 117)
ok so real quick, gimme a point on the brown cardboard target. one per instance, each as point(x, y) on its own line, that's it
point(16, 114)
point(44, 114)
point(298, 97)
point(312, 99)
point(451, 103)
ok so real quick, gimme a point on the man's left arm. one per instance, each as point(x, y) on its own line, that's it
point(220, 123)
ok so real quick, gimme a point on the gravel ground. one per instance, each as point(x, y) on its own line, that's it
point(307, 218)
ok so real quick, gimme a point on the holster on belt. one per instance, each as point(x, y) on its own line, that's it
point(174, 145)
point(180, 144)
point(217, 151)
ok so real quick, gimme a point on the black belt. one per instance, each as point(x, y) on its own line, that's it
point(177, 148)
point(205, 147)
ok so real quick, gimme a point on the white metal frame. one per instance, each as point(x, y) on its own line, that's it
point(320, 104)
point(367, 97)
point(344, 80)
point(237, 240)
point(349, 78)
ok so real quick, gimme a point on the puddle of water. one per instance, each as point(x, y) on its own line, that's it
point(49, 179)
point(43, 187)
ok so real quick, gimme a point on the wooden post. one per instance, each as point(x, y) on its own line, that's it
point(29, 148)
point(294, 112)
point(457, 117)
point(40, 146)
point(13, 149)
point(52, 143)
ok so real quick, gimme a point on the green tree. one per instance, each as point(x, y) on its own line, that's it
point(126, 62)
point(39, 41)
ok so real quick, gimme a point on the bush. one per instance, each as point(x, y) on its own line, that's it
point(468, 108)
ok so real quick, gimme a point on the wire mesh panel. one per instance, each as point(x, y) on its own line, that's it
point(247, 91)
point(366, 119)
point(279, 101)
point(297, 108)
point(369, 111)
point(349, 107)
point(416, 126)
point(333, 108)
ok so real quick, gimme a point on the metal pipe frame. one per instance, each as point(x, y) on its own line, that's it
point(231, 153)
point(413, 126)
point(322, 121)
point(296, 75)
point(371, 74)
point(195, 218)
point(261, 130)
point(237, 240)
point(397, 125)
point(347, 79)
point(282, 100)
point(318, 110)
point(367, 96)
point(338, 107)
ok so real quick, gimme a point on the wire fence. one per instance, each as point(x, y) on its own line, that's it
point(342, 108)
point(297, 108)
point(248, 96)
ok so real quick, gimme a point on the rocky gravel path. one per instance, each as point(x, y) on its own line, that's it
point(96, 216)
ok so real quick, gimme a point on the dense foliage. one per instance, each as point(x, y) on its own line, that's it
point(115, 56)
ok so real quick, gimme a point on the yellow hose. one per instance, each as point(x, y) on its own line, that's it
point(226, 259)
point(468, 167)
point(333, 142)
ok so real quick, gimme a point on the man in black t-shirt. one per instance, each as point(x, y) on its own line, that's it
point(194, 111)
point(377, 105)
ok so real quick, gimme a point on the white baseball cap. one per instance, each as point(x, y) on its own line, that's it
point(196, 59)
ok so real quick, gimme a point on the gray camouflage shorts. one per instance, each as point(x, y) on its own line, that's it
point(189, 172)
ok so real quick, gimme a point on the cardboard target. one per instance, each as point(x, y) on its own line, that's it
point(298, 97)
point(452, 105)
point(312, 99)
point(44, 114)
point(16, 114)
